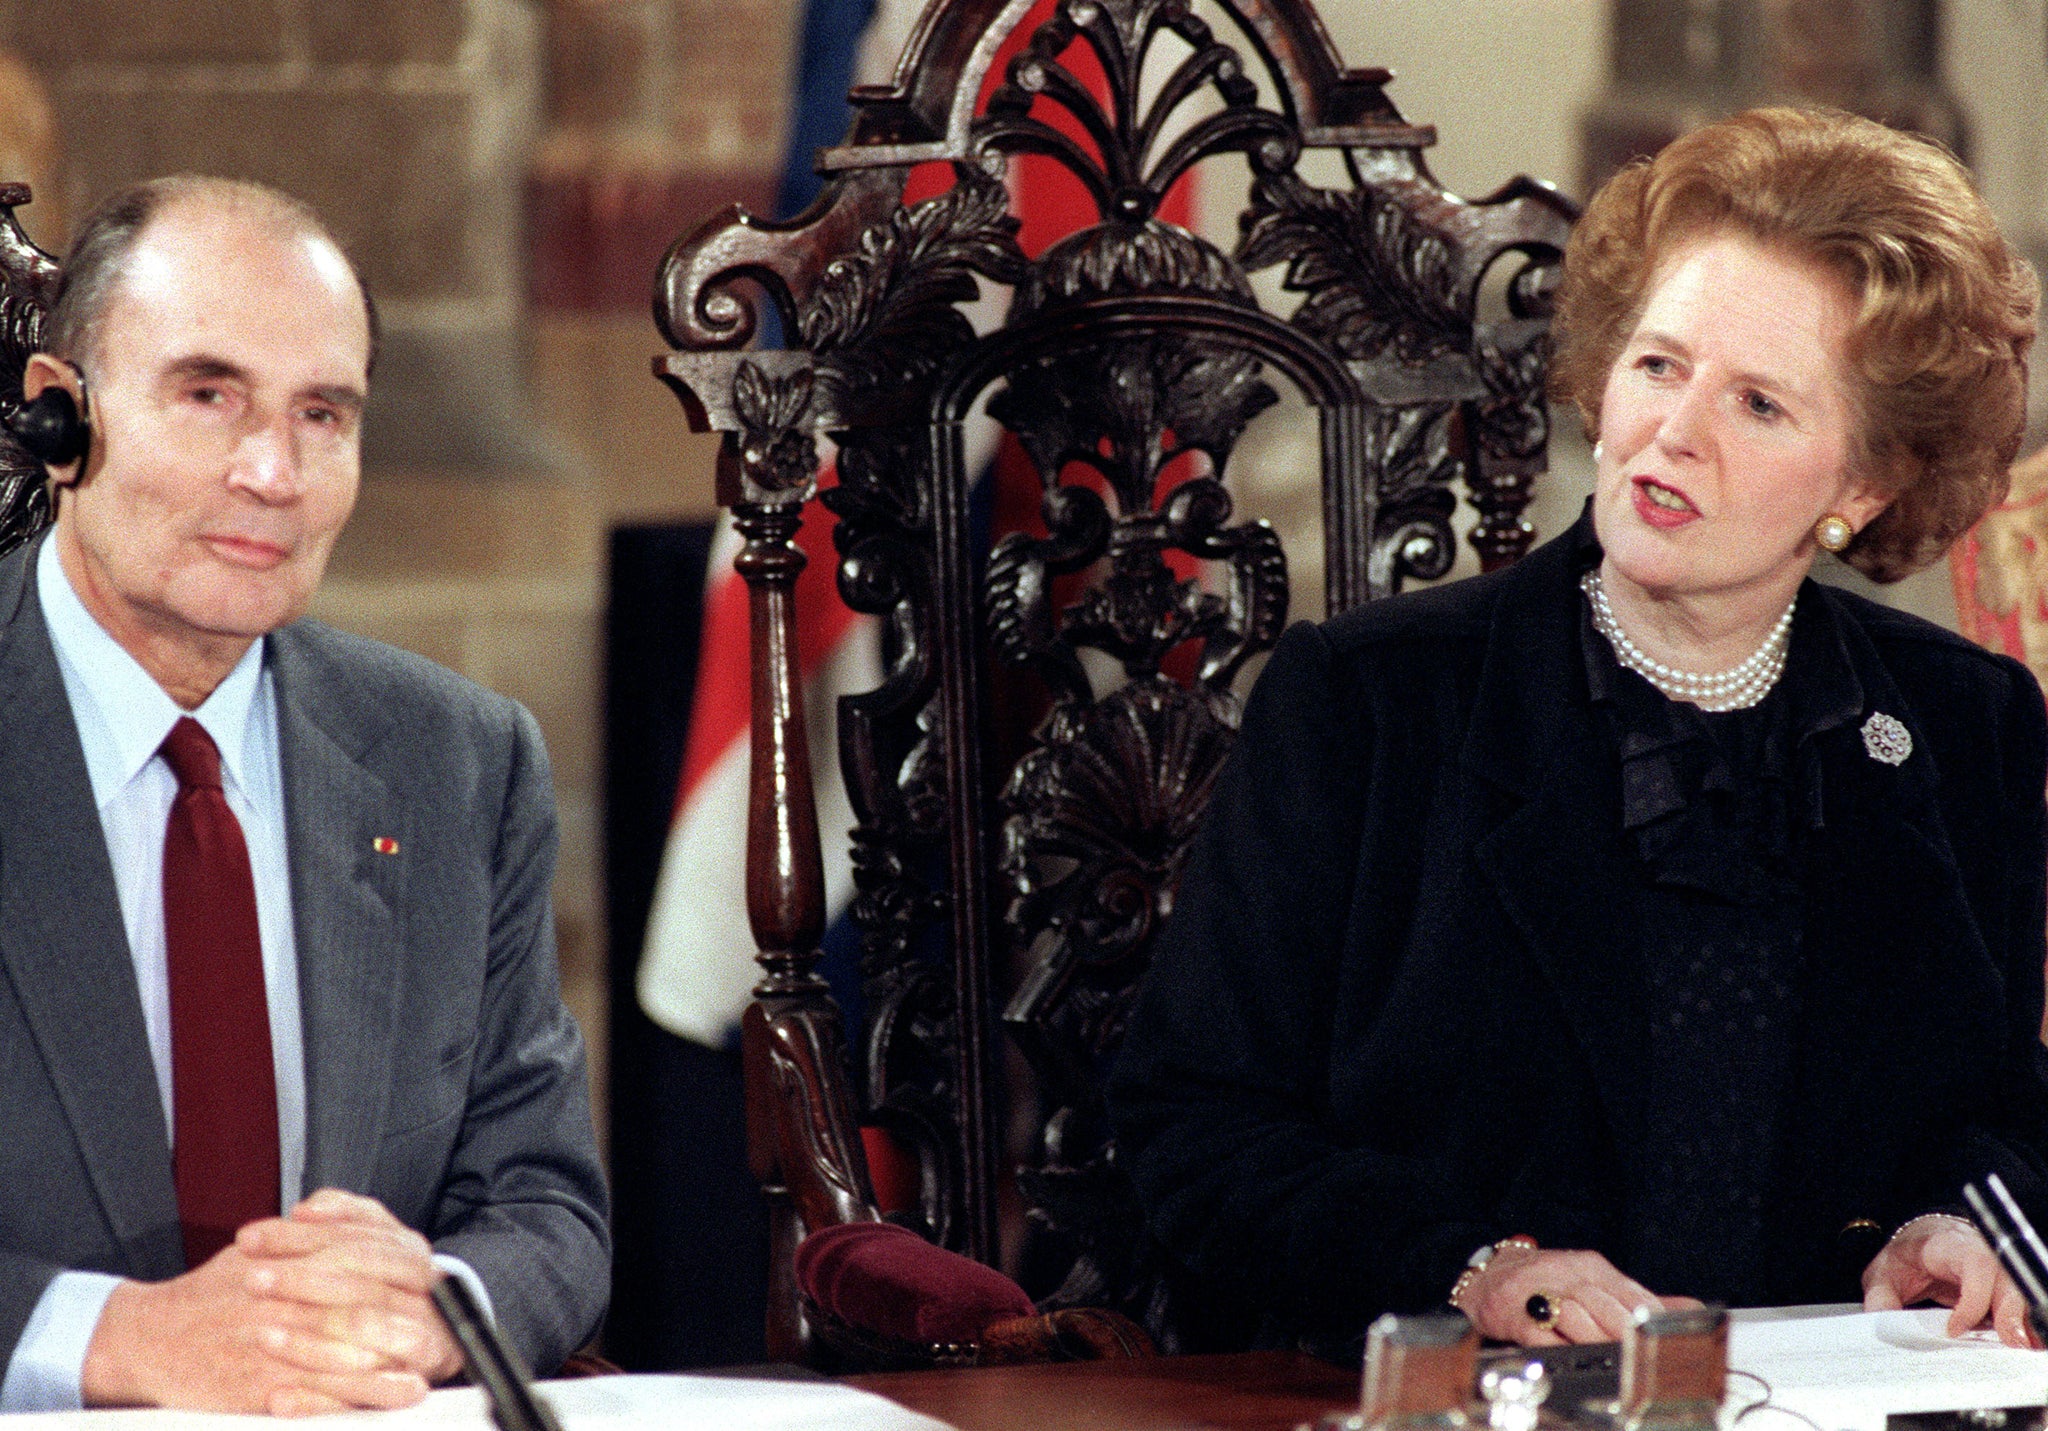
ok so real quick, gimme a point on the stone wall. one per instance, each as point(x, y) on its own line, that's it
point(660, 113)
point(407, 123)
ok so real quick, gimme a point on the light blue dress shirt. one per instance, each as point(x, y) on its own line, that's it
point(122, 716)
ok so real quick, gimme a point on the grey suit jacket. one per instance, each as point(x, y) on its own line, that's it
point(443, 1075)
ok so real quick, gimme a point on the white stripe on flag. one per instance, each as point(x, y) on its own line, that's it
point(697, 971)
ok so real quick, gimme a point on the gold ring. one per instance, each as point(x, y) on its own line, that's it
point(1543, 1308)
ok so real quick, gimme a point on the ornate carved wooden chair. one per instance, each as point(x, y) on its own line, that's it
point(28, 286)
point(1016, 894)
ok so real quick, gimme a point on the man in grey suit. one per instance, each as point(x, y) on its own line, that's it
point(399, 833)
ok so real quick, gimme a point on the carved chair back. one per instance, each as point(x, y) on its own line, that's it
point(28, 286)
point(1017, 894)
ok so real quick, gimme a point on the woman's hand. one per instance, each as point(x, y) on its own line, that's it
point(1944, 1259)
point(1594, 1300)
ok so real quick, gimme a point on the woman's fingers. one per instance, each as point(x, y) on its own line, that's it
point(1975, 1271)
point(1609, 1314)
point(1943, 1259)
point(1893, 1279)
point(1634, 1294)
point(1593, 1301)
point(1578, 1323)
point(2009, 1315)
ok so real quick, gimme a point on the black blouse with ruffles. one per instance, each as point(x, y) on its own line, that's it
point(1714, 805)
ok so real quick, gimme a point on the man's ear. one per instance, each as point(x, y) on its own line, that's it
point(54, 422)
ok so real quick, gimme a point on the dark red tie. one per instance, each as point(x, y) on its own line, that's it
point(223, 1088)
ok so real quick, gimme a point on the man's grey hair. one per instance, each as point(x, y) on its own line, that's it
point(99, 254)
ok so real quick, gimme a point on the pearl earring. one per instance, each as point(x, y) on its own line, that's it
point(1597, 451)
point(1833, 532)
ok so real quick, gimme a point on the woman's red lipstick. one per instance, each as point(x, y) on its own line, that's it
point(1656, 514)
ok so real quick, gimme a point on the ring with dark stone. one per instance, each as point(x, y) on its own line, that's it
point(1543, 1308)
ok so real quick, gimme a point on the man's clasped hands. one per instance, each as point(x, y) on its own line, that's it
point(324, 1309)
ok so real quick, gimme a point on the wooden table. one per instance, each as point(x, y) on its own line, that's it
point(1253, 1391)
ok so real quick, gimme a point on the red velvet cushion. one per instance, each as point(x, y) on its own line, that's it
point(883, 1278)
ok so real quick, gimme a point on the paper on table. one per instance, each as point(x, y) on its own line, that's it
point(1853, 1370)
point(601, 1403)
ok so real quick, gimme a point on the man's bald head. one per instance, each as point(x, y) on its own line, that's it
point(99, 255)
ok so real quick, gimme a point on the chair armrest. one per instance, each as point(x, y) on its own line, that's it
point(886, 1280)
point(803, 1145)
point(802, 1133)
point(882, 1297)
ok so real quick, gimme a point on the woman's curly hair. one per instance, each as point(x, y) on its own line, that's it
point(1937, 353)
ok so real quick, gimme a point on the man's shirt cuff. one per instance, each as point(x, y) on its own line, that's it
point(49, 1361)
point(456, 1267)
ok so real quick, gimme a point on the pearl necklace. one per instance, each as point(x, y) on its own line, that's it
point(1734, 689)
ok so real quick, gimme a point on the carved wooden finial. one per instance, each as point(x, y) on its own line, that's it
point(28, 286)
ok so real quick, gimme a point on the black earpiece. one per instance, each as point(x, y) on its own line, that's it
point(52, 428)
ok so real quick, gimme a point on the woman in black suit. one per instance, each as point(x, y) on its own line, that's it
point(1645, 921)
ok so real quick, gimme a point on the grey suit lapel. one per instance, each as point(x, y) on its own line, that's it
point(345, 900)
point(64, 947)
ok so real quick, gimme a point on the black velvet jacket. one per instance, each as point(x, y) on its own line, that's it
point(1398, 1012)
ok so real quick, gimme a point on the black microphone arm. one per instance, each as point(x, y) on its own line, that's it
point(491, 1363)
point(2018, 1246)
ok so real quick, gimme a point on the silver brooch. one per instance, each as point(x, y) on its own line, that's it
point(1887, 739)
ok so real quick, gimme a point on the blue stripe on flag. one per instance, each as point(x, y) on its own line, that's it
point(819, 114)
